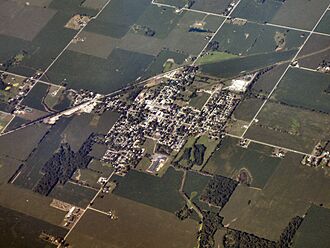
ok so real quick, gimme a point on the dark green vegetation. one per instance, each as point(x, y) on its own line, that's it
point(136, 223)
point(30, 173)
point(162, 193)
point(18, 230)
point(253, 165)
point(211, 223)
point(304, 89)
point(61, 166)
point(195, 152)
point(290, 127)
point(193, 188)
point(234, 238)
point(314, 229)
point(218, 191)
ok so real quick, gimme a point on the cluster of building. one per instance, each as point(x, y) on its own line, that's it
point(156, 114)
point(319, 157)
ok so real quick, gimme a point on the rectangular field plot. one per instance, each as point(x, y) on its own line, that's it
point(74, 194)
point(22, 21)
point(324, 25)
point(35, 97)
point(30, 203)
point(245, 38)
point(315, 52)
point(94, 44)
point(134, 223)
point(314, 229)
point(18, 230)
point(117, 17)
point(101, 75)
point(158, 20)
point(26, 57)
point(189, 35)
point(162, 193)
point(243, 115)
point(290, 127)
point(11, 144)
point(255, 10)
point(304, 89)
point(286, 13)
point(82, 126)
point(293, 13)
point(212, 6)
point(265, 82)
point(252, 165)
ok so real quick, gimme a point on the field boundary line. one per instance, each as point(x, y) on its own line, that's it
point(269, 144)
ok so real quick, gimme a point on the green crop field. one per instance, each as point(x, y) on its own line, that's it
point(229, 159)
point(136, 223)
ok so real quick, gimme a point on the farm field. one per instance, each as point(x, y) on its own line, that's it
point(18, 229)
point(324, 24)
point(74, 194)
point(290, 14)
point(30, 203)
point(36, 96)
point(11, 145)
point(135, 222)
point(162, 193)
point(289, 127)
point(252, 38)
point(315, 52)
point(314, 228)
point(304, 89)
point(286, 195)
point(233, 161)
